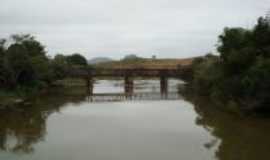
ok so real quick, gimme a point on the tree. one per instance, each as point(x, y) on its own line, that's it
point(38, 60)
point(19, 65)
point(60, 59)
point(261, 37)
point(2, 63)
point(42, 68)
point(59, 66)
point(24, 62)
point(242, 72)
point(131, 57)
point(33, 47)
point(25, 65)
point(2, 46)
point(233, 39)
point(76, 59)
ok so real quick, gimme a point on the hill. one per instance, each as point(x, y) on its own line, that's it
point(98, 60)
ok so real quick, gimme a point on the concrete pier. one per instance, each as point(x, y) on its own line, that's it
point(163, 85)
point(129, 85)
point(89, 85)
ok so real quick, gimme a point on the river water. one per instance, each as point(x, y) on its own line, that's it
point(66, 124)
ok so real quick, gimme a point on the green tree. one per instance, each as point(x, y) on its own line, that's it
point(33, 47)
point(60, 66)
point(256, 85)
point(38, 60)
point(76, 59)
point(233, 39)
point(42, 69)
point(2, 63)
point(261, 37)
point(242, 72)
point(24, 63)
point(19, 65)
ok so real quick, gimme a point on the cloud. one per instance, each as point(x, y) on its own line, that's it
point(167, 28)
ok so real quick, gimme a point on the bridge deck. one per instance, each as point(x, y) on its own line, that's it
point(137, 72)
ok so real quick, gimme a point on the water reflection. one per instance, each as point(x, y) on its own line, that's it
point(142, 128)
point(19, 130)
point(237, 138)
point(115, 97)
point(113, 91)
point(22, 127)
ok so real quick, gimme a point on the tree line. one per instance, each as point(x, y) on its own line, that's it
point(25, 64)
point(240, 76)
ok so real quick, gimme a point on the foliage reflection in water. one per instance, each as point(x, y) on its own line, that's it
point(241, 138)
point(64, 125)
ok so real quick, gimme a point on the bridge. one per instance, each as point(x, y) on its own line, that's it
point(129, 74)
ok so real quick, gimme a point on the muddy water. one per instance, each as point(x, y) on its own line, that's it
point(65, 125)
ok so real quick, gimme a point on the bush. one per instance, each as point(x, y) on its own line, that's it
point(241, 74)
point(24, 64)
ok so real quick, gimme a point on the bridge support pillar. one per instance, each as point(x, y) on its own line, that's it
point(89, 85)
point(129, 85)
point(164, 85)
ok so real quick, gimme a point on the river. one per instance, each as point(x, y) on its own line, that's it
point(65, 124)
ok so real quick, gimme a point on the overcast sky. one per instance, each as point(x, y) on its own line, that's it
point(114, 28)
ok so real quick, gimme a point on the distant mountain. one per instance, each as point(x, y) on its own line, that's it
point(99, 60)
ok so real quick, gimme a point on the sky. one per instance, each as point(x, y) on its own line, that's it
point(114, 28)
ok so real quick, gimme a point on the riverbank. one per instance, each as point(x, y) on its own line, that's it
point(18, 97)
point(229, 106)
point(22, 97)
